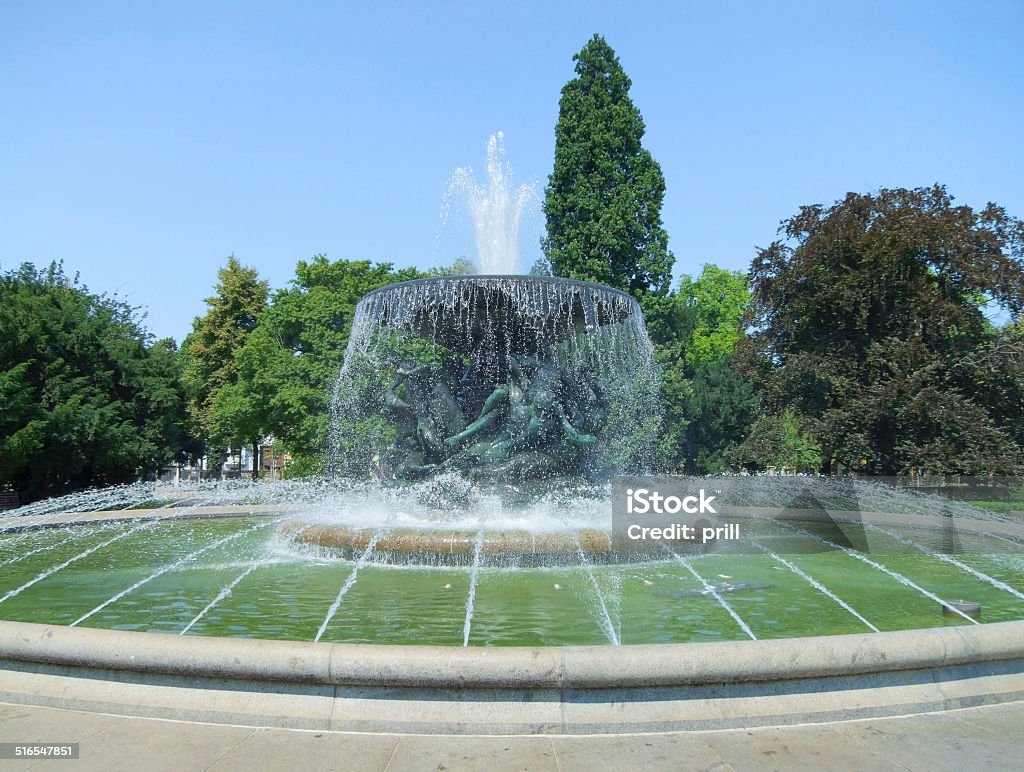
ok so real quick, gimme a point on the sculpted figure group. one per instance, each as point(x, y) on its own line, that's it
point(542, 421)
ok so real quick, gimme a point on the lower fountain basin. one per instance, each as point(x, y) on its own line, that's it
point(218, 571)
point(529, 691)
point(454, 547)
point(259, 571)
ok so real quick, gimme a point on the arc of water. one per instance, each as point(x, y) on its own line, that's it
point(220, 596)
point(84, 554)
point(998, 584)
point(122, 496)
point(884, 569)
point(49, 547)
point(815, 584)
point(1007, 539)
point(710, 589)
point(351, 580)
point(14, 539)
point(605, 620)
point(477, 551)
point(170, 567)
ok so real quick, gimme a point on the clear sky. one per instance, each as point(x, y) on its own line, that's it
point(143, 143)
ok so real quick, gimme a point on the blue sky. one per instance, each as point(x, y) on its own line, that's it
point(143, 143)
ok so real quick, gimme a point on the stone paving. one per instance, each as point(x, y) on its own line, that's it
point(972, 738)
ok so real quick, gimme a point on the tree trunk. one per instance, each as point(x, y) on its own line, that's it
point(255, 459)
point(827, 468)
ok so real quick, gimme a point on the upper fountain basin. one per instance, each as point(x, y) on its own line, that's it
point(465, 312)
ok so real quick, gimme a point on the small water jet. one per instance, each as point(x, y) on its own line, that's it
point(969, 607)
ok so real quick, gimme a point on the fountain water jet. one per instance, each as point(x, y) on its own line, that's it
point(496, 210)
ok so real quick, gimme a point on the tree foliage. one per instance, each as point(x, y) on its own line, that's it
point(708, 406)
point(461, 267)
point(722, 408)
point(287, 367)
point(870, 322)
point(776, 441)
point(88, 397)
point(714, 304)
point(603, 199)
point(228, 416)
point(724, 405)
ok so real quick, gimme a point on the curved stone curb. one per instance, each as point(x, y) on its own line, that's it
point(575, 667)
point(571, 690)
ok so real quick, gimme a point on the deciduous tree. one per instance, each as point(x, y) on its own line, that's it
point(88, 398)
point(211, 372)
point(288, 366)
point(871, 324)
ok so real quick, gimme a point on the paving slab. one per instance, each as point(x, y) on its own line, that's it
point(152, 745)
point(944, 741)
point(1003, 720)
point(655, 752)
point(29, 725)
point(474, 754)
point(271, 749)
point(973, 738)
point(803, 747)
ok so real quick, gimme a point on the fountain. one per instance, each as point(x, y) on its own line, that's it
point(478, 421)
point(513, 385)
point(315, 560)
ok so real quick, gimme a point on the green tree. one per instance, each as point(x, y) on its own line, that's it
point(777, 440)
point(715, 303)
point(287, 367)
point(227, 415)
point(708, 406)
point(994, 374)
point(88, 397)
point(603, 211)
point(723, 405)
point(722, 408)
point(871, 326)
point(603, 199)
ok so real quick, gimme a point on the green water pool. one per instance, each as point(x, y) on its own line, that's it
point(246, 581)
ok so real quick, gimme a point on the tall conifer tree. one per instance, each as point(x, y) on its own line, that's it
point(603, 199)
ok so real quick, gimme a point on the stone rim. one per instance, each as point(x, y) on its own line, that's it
point(502, 277)
point(576, 667)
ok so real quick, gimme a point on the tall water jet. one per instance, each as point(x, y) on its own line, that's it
point(496, 210)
